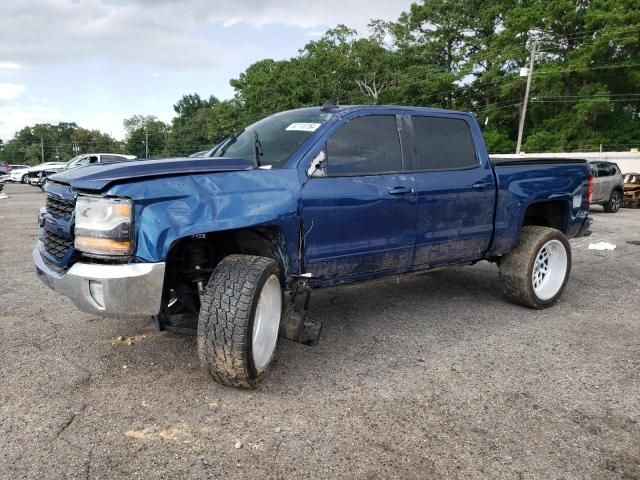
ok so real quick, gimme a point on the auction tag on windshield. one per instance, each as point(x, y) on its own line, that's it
point(303, 127)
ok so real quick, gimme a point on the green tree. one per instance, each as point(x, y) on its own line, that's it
point(199, 124)
point(143, 128)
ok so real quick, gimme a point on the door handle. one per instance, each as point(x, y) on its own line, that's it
point(400, 191)
point(480, 186)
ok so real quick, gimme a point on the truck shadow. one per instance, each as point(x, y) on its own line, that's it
point(382, 320)
point(424, 296)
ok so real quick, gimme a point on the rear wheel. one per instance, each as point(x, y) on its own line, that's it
point(536, 271)
point(615, 200)
point(239, 320)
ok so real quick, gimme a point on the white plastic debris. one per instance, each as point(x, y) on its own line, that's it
point(602, 246)
point(3, 196)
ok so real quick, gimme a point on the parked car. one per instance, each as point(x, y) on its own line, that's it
point(305, 199)
point(608, 187)
point(35, 173)
point(4, 168)
point(37, 179)
point(632, 190)
point(16, 174)
point(91, 158)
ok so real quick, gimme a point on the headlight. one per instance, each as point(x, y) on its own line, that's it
point(103, 225)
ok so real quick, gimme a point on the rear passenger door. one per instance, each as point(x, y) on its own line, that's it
point(603, 185)
point(359, 213)
point(455, 192)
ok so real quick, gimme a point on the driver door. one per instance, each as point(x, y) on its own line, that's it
point(359, 211)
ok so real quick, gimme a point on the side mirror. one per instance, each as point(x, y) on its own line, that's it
point(318, 166)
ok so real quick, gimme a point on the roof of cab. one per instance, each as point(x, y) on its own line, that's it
point(341, 110)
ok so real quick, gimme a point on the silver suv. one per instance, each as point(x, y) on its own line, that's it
point(608, 185)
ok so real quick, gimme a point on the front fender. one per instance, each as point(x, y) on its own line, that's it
point(168, 209)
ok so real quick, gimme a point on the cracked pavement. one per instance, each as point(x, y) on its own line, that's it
point(426, 376)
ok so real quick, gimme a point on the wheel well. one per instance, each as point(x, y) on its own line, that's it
point(547, 214)
point(191, 260)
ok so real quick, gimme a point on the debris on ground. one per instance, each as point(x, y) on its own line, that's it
point(602, 246)
point(128, 340)
point(238, 444)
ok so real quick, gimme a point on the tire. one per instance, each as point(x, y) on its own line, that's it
point(239, 320)
point(614, 203)
point(531, 277)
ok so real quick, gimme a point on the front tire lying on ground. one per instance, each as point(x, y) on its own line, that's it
point(239, 320)
point(536, 271)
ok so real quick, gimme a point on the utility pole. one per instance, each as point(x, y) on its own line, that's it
point(146, 141)
point(523, 113)
point(42, 149)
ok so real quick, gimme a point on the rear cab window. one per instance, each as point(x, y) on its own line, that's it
point(367, 145)
point(443, 144)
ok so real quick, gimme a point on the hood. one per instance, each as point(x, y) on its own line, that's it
point(99, 176)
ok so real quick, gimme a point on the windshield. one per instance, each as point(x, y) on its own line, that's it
point(70, 162)
point(279, 136)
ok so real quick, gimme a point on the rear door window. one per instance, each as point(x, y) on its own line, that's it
point(365, 146)
point(443, 144)
point(605, 170)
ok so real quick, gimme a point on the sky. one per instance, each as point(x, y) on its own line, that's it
point(97, 62)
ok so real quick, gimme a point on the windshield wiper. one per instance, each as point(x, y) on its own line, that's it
point(257, 148)
point(231, 141)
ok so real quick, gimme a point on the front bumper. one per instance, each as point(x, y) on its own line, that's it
point(130, 290)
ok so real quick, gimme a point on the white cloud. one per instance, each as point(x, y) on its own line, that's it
point(14, 117)
point(9, 91)
point(10, 66)
point(156, 37)
point(163, 33)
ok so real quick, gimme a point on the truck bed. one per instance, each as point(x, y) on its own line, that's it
point(505, 162)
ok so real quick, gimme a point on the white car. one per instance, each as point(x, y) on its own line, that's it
point(91, 158)
point(22, 175)
point(33, 175)
point(38, 174)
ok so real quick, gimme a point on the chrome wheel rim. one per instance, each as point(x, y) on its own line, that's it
point(615, 202)
point(266, 323)
point(549, 270)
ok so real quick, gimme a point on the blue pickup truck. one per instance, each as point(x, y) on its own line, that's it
point(236, 241)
